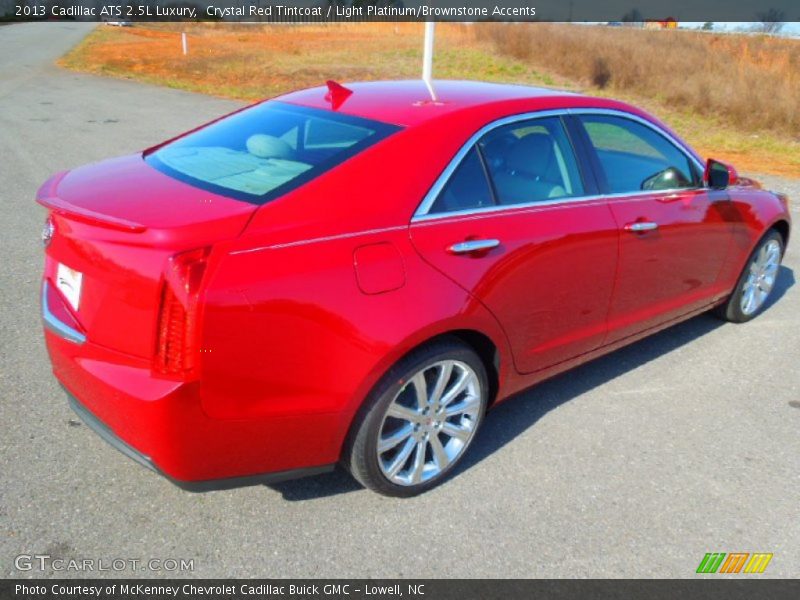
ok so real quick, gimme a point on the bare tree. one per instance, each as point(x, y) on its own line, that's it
point(770, 21)
point(632, 16)
point(7, 8)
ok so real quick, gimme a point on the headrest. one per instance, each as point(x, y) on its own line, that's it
point(268, 146)
point(531, 155)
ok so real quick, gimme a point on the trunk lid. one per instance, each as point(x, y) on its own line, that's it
point(115, 226)
point(127, 194)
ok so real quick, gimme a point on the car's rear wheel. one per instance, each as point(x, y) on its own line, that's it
point(756, 281)
point(419, 420)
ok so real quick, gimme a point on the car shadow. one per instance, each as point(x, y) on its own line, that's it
point(784, 281)
point(522, 411)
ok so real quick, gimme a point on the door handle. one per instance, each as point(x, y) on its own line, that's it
point(471, 246)
point(641, 226)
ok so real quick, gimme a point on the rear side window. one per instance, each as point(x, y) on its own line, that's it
point(634, 157)
point(528, 161)
point(531, 161)
point(267, 150)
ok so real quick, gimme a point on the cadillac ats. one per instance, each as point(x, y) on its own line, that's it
point(353, 274)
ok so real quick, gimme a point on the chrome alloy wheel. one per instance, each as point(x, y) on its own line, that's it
point(429, 423)
point(761, 278)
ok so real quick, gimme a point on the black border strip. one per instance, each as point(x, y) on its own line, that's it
point(740, 588)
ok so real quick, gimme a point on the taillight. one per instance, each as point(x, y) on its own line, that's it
point(47, 231)
point(177, 350)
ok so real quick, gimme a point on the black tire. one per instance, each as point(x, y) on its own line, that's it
point(361, 452)
point(731, 310)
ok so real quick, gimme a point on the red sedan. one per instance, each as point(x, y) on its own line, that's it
point(353, 275)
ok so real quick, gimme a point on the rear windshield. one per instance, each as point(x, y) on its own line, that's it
point(267, 150)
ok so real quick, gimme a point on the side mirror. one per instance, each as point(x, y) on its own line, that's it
point(719, 175)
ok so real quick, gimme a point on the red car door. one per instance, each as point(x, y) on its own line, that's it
point(513, 222)
point(674, 235)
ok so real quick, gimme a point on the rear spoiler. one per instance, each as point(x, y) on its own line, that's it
point(46, 196)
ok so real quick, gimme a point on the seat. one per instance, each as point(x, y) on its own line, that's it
point(530, 172)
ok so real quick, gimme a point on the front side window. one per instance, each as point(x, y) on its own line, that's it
point(634, 157)
point(267, 150)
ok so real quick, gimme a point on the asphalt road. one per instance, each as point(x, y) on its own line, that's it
point(635, 465)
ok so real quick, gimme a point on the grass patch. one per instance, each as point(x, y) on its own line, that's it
point(732, 97)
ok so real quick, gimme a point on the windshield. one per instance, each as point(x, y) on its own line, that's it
point(267, 150)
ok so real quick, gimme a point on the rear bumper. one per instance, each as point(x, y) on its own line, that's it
point(109, 436)
point(160, 423)
point(115, 441)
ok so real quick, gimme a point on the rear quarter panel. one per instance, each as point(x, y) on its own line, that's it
point(288, 332)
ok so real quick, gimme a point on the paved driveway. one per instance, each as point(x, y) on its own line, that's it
point(633, 466)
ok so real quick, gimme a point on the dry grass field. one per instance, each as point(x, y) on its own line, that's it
point(752, 82)
point(734, 97)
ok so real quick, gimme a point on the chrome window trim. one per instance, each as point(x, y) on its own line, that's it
point(55, 325)
point(422, 212)
point(507, 207)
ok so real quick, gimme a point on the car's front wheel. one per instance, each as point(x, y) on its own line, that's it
point(419, 420)
point(756, 281)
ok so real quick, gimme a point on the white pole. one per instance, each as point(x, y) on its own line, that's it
point(183, 44)
point(427, 56)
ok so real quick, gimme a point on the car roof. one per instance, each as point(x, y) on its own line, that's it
point(412, 102)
